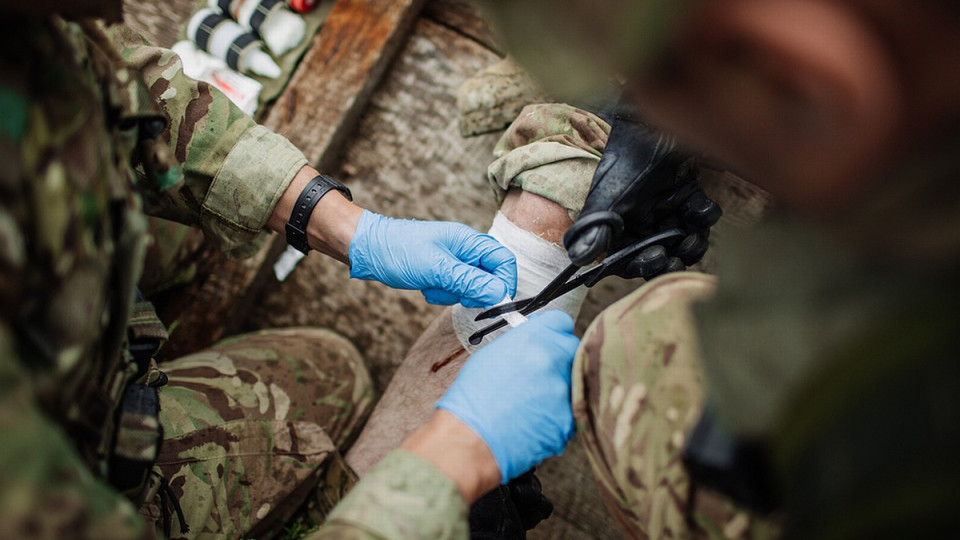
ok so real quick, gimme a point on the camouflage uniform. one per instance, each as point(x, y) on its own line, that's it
point(852, 316)
point(550, 150)
point(89, 140)
point(637, 389)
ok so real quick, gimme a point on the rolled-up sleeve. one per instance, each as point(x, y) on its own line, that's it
point(552, 150)
point(402, 497)
point(234, 170)
point(246, 189)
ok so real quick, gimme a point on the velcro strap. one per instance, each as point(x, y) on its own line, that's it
point(237, 48)
point(206, 28)
point(260, 13)
point(138, 437)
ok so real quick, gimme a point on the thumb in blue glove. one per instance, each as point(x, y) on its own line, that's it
point(515, 393)
point(447, 262)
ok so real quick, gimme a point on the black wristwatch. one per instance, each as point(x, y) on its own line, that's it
point(315, 189)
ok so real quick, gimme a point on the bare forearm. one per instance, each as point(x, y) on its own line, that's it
point(458, 452)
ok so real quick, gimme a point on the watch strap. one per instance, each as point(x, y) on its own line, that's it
point(315, 189)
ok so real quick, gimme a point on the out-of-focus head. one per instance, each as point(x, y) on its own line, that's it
point(814, 100)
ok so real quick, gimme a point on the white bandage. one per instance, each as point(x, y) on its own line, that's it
point(513, 318)
point(538, 262)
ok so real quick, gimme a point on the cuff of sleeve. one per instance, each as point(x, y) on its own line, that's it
point(404, 496)
point(555, 171)
point(248, 186)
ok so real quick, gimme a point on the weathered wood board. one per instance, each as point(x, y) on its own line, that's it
point(336, 77)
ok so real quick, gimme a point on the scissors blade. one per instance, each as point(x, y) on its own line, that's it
point(562, 284)
point(542, 298)
point(529, 305)
point(496, 311)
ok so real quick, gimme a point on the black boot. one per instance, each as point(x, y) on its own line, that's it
point(509, 511)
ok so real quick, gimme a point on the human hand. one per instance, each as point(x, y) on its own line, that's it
point(643, 186)
point(447, 262)
point(515, 392)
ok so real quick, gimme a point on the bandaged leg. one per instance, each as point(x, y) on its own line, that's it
point(530, 226)
point(538, 263)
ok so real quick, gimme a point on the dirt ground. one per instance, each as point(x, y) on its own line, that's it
point(407, 159)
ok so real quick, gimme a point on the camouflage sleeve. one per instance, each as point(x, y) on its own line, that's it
point(401, 497)
point(234, 170)
point(552, 150)
point(45, 489)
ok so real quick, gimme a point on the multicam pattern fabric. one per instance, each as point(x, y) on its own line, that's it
point(403, 496)
point(637, 393)
point(493, 98)
point(551, 150)
point(228, 188)
point(250, 424)
point(81, 133)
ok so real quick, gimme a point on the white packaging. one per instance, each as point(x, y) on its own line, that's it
point(243, 91)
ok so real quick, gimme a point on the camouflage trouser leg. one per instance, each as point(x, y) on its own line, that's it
point(637, 393)
point(253, 425)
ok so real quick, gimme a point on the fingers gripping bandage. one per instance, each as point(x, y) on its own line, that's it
point(538, 262)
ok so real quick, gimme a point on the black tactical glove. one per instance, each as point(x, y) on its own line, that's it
point(507, 512)
point(643, 185)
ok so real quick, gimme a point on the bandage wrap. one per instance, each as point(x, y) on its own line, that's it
point(279, 27)
point(538, 262)
point(223, 38)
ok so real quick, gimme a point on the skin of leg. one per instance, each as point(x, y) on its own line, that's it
point(254, 424)
point(435, 358)
point(637, 394)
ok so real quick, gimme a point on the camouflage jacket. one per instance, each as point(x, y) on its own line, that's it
point(80, 168)
point(90, 140)
point(402, 497)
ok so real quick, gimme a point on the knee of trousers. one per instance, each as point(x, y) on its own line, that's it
point(637, 393)
point(311, 374)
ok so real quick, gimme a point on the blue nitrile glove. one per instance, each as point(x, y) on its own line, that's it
point(515, 392)
point(447, 262)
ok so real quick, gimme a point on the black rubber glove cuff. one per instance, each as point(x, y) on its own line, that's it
point(315, 189)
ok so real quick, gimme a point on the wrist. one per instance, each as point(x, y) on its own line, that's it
point(458, 452)
point(332, 221)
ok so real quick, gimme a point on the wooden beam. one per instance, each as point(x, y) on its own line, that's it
point(338, 75)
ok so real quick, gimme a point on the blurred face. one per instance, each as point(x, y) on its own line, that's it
point(812, 100)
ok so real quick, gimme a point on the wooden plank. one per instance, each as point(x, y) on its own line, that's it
point(337, 76)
